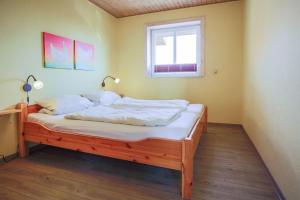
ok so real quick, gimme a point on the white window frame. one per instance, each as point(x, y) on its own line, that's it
point(195, 23)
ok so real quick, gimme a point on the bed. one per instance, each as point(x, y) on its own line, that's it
point(174, 149)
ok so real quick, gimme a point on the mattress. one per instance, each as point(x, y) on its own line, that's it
point(176, 130)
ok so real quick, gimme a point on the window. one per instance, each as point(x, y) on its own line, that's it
point(175, 49)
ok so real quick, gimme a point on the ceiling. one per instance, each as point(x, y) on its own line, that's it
point(125, 8)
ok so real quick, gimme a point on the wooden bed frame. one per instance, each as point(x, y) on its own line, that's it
point(171, 154)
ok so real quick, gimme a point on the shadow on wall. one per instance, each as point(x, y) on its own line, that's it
point(93, 19)
point(265, 134)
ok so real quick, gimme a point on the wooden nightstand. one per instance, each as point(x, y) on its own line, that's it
point(8, 112)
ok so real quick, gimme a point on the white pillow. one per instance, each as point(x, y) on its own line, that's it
point(65, 104)
point(105, 98)
point(109, 98)
point(94, 97)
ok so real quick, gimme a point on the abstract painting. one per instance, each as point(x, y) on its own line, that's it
point(84, 56)
point(58, 51)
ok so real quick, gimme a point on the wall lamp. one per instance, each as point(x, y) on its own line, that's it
point(113, 78)
point(36, 84)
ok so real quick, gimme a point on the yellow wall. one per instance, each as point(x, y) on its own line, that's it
point(272, 87)
point(223, 48)
point(21, 25)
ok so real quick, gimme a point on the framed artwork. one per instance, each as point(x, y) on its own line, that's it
point(84, 56)
point(58, 51)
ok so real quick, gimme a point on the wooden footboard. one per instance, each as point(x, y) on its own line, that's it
point(171, 154)
point(189, 147)
point(162, 153)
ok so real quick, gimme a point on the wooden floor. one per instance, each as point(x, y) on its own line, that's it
point(226, 167)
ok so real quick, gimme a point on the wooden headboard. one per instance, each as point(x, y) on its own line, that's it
point(25, 110)
point(33, 108)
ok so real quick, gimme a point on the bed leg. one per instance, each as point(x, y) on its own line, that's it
point(22, 147)
point(187, 170)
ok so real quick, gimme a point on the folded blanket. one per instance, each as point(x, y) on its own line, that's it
point(141, 103)
point(129, 115)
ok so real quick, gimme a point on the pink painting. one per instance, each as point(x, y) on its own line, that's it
point(58, 51)
point(84, 56)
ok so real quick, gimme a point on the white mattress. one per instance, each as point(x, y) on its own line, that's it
point(177, 130)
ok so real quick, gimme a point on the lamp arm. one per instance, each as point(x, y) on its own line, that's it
point(113, 78)
point(103, 81)
point(31, 77)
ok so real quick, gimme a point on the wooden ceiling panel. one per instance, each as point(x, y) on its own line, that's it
point(125, 8)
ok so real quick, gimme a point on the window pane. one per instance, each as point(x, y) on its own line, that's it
point(174, 50)
point(164, 49)
point(186, 48)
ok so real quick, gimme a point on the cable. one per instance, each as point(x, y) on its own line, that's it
point(27, 98)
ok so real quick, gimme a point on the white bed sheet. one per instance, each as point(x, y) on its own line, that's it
point(177, 130)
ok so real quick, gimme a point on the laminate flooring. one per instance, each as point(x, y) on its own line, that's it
point(226, 167)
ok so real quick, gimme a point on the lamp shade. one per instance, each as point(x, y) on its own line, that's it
point(117, 80)
point(38, 85)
